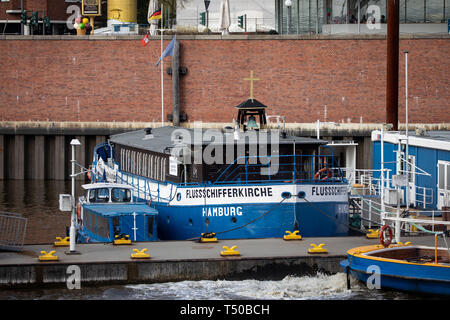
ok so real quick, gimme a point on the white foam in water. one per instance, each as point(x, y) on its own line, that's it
point(319, 286)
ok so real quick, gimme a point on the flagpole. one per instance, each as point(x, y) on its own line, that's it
point(162, 69)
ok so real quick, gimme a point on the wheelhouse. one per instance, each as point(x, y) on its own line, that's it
point(109, 210)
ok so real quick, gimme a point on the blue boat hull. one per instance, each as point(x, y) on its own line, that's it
point(411, 277)
point(248, 221)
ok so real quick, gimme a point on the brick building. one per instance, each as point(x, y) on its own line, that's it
point(307, 79)
point(59, 11)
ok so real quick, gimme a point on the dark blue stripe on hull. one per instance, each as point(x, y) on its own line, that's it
point(313, 220)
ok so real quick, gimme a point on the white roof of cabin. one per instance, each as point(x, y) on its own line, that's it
point(105, 185)
point(430, 139)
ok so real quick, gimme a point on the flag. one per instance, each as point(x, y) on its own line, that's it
point(155, 15)
point(169, 50)
point(145, 40)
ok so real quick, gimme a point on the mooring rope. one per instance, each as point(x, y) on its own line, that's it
point(244, 225)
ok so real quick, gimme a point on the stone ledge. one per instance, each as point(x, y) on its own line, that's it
point(228, 37)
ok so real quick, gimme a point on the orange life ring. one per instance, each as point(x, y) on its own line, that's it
point(79, 211)
point(317, 175)
point(385, 242)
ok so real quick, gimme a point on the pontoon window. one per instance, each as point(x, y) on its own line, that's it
point(128, 164)
point(158, 166)
point(120, 195)
point(441, 176)
point(144, 166)
point(150, 226)
point(102, 227)
point(99, 195)
point(448, 176)
point(152, 170)
point(139, 163)
point(163, 169)
point(122, 158)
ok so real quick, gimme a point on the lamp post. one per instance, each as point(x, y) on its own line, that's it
point(288, 4)
point(408, 165)
point(72, 235)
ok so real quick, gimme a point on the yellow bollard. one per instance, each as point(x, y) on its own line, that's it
point(208, 237)
point(48, 256)
point(230, 251)
point(140, 254)
point(292, 235)
point(62, 242)
point(123, 240)
point(373, 234)
point(317, 249)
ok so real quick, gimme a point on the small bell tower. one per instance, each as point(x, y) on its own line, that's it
point(250, 110)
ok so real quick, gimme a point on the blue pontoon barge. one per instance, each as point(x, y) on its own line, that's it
point(109, 210)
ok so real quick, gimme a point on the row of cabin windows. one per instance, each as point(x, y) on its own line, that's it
point(143, 164)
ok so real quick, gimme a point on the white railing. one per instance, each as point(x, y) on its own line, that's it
point(372, 216)
point(425, 197)
point(362, 181)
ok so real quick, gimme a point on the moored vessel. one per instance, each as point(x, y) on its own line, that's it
point(241, 182)
point(109, 211)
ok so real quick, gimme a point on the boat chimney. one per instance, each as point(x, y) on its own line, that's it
point(148, 133)
point(392, 63)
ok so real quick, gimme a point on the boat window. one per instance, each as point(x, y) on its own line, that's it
point(87, 219)
point(441, 181)
point(448, 176)
point(128, 164)
point(102, 226)
point(99, 195)
point(139, 163)
point(144, 164)
point(120, 195)
point(150, 226)
point(151, 167)
point(163, 169)
point(133, 162)
point(158, 167)
point(116, 226)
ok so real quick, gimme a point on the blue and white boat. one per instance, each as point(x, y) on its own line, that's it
point(401, 267)
point(109, 210)
point(246, 182)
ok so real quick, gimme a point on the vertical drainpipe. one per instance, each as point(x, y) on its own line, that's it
point(392, 63)
point(176, 83)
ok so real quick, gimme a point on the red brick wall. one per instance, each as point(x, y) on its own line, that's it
point(117, 80)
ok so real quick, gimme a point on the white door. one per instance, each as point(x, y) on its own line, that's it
point(412, 179)
point(443, 185)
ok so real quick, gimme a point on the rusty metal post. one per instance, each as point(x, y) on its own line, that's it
point(176, 83)
point(392, 63)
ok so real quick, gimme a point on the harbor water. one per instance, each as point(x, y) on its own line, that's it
point(37, 200)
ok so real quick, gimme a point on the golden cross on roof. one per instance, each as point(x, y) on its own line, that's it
point(251, 79)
